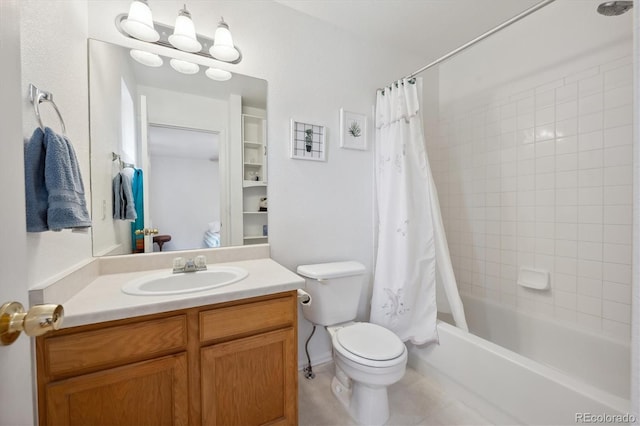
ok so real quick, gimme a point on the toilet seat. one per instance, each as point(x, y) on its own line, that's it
point(369, 344)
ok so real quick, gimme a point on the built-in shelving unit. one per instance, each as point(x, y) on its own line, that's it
point(254, 170)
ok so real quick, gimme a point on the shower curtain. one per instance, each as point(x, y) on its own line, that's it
point(411, 240)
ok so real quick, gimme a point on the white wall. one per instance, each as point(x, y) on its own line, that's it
point(533, 165)
point(54, 58)
point(177, 186)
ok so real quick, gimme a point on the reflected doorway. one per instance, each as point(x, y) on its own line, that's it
point(184, 193)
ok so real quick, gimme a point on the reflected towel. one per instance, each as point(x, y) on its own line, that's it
point(117, 197)
point(67, 205)
point(127, 192)
point(124, 206)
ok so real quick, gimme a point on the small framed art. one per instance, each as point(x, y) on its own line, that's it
point(353, 130)
point(308, 141)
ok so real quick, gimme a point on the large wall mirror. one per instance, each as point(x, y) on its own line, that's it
point(178, 161)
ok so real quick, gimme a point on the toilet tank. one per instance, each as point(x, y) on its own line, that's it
point(335, 291)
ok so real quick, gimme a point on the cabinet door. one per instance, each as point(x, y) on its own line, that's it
point(251, 381)
point(146, 393)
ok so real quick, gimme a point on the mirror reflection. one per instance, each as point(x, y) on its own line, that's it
point(177, 161)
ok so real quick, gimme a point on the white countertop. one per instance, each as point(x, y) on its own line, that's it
point(102, 299)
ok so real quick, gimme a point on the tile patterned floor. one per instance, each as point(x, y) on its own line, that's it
point(414, 400)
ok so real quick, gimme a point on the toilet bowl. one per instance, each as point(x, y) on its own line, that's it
point(368, 358)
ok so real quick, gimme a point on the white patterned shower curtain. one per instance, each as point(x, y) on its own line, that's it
point(411, 240)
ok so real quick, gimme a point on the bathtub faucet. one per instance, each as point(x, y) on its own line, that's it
point(181, 265)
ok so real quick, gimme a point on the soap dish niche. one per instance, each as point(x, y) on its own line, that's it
point(536, 279)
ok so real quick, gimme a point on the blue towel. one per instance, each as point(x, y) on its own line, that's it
point(35, 189)
point(67, 205)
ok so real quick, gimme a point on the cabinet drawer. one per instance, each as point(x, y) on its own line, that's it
point(247, 318)
point(90, 350)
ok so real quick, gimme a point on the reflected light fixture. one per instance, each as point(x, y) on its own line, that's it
point(139, 22)
point(223, 48)
point(218, 74)
point(184, 67)
point(184, 33)
point(146, 58)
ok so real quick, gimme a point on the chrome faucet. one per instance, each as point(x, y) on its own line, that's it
point(181, 265)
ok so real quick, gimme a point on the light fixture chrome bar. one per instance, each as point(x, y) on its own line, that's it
point(166, 30)
point(481, 37)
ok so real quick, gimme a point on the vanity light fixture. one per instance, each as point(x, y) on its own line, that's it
point(223, 48)
point(218, 74)
point(183, 37)
point(184, 67)
point(146, 58)
point(139, 22)
point(184, 33)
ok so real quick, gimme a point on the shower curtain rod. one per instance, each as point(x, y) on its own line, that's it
point(481, 37)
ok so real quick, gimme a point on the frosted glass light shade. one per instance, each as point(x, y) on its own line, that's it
point(184, 67)
point(146, 58)
point(223, 48)
point(139, 22)
point(184, 33)
point(218, 74)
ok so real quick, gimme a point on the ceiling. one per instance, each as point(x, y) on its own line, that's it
point(429, 28)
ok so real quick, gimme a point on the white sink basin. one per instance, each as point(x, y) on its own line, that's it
point(166, 283)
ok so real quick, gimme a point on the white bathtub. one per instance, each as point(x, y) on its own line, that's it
point(533, 370)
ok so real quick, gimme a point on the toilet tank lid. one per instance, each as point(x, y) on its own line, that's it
point(325, 271)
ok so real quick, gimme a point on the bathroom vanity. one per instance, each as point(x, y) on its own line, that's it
point(222, 357)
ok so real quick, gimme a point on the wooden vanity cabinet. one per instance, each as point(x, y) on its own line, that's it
point(232, 363)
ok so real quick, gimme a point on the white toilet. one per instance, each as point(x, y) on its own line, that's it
point(368, 357)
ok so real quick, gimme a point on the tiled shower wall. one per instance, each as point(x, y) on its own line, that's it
point(542, 178)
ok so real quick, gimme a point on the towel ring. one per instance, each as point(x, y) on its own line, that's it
point(38, 96)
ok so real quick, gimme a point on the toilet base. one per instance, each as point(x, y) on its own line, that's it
point(367, 405)
point(342, 393)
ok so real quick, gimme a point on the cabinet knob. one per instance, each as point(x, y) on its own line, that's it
point(35, 322)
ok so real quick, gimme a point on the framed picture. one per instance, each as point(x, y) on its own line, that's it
point(308, 141)
point(353, 130)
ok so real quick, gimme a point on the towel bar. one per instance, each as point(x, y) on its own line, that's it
point(37, 96)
